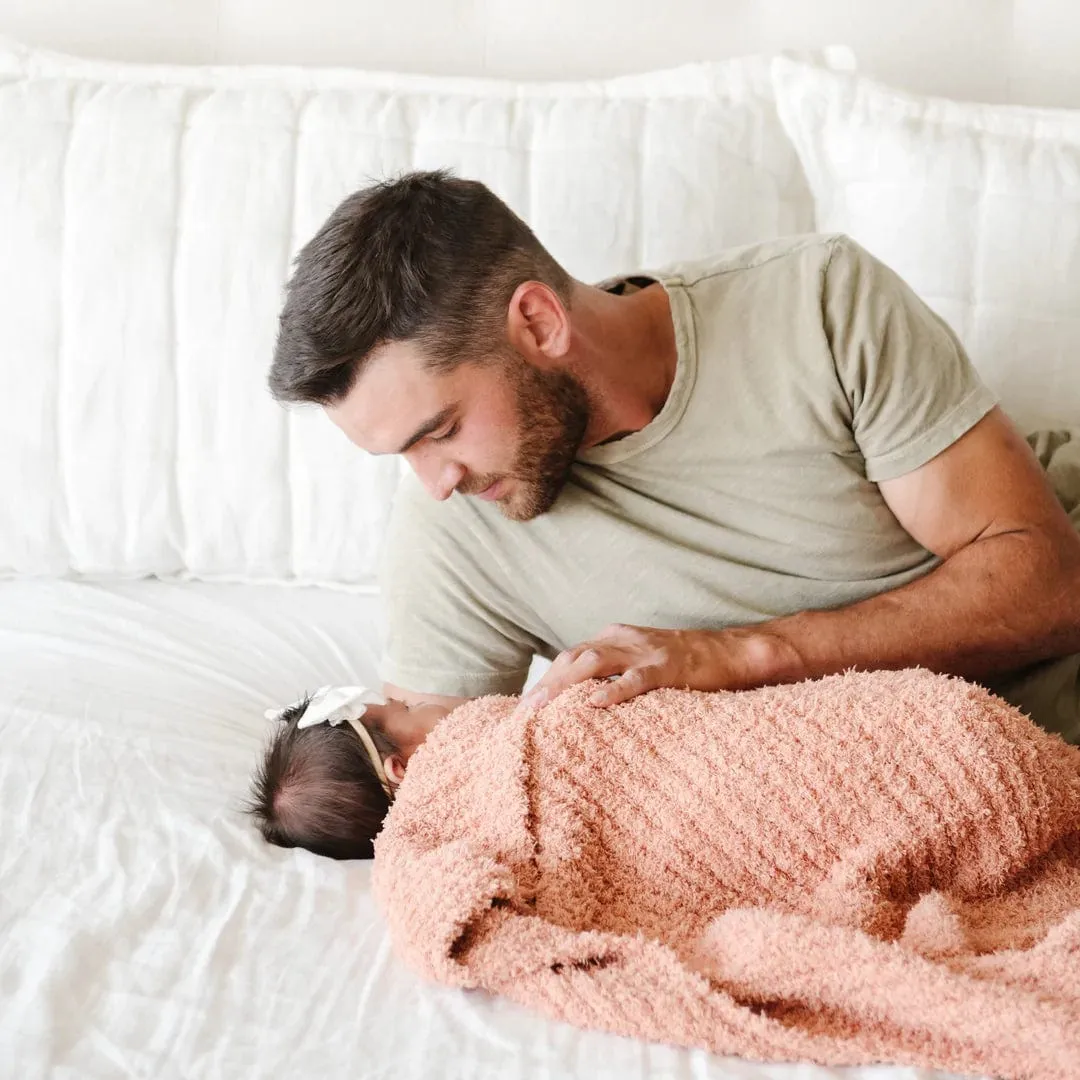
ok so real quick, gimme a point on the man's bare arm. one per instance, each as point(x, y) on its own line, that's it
point(1006, 595)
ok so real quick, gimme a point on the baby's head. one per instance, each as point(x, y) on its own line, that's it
point(320, 787)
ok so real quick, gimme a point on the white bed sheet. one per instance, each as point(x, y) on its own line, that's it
point(146, 931)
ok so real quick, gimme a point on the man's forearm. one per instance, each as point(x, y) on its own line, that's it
point(998, 605)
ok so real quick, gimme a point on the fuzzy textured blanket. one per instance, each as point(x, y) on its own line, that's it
point(877, 867)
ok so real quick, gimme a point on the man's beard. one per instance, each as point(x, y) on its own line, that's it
point(553, 413)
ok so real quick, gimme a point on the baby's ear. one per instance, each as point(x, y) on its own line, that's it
point(395, 768)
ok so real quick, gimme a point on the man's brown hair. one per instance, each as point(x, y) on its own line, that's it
point(429, 258)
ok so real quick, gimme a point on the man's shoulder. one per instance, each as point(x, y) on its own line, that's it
point(803, 250)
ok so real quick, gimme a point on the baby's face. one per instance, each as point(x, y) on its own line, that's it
point(407, 725)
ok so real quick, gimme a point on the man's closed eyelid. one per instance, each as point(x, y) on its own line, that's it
point(450, 432)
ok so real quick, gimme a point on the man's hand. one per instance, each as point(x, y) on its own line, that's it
point(1006, 595)
point(639, 659)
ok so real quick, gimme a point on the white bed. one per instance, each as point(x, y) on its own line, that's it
point(146, 930)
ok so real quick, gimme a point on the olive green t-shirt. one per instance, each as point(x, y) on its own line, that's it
point(807, 372)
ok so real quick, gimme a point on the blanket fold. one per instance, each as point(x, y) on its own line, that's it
point(876, 867)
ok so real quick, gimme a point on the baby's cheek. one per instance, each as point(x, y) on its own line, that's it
point(379, 714)
point(433, 713)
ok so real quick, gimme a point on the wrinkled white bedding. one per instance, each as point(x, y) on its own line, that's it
point(146, 931)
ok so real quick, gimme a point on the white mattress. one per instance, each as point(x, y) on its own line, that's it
point(146, 931)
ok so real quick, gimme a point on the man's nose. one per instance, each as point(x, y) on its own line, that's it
point(440, 478)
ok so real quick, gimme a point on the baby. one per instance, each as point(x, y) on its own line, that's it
point(328, 777)
point(805, 871)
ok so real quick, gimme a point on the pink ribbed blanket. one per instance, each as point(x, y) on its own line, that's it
point(877, 867)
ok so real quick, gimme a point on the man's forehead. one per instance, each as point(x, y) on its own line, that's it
point(395, 394)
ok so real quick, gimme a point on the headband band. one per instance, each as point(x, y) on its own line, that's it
point(372, 752)
point(335, 705)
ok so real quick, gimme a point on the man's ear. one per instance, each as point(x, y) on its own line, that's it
point(395, 769)
point(537, 323)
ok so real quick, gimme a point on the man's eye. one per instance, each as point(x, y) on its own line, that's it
point(450, 432)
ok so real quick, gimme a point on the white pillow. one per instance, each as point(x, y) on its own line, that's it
point(149, 216)
point(976, 206)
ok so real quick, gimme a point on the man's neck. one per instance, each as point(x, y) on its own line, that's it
point(624, 353)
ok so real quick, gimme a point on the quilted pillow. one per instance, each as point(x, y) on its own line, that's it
point(149, 216)
point(977, 206)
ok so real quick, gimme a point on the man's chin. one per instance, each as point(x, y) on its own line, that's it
point(526, 502)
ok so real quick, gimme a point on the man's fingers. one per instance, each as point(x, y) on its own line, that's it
point(594, 662)
point(628, 685)
point(572, 667)
point(552, 679)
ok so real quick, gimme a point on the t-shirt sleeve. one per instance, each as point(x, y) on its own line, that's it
point(449, 628)
point(911, 388)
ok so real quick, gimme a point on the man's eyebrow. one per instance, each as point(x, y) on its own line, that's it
point(427, 428)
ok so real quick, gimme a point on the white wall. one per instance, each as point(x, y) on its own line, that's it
point(1000, 50)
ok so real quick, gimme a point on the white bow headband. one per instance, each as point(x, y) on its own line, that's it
point(335, 705)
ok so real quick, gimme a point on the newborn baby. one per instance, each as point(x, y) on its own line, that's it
point(329, 774)
point(879, 866)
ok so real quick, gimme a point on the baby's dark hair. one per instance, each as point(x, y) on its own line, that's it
point(317, 789)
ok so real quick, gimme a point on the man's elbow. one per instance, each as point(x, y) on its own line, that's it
point(1060, 571)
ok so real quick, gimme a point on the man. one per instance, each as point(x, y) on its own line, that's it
point(766, 467)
